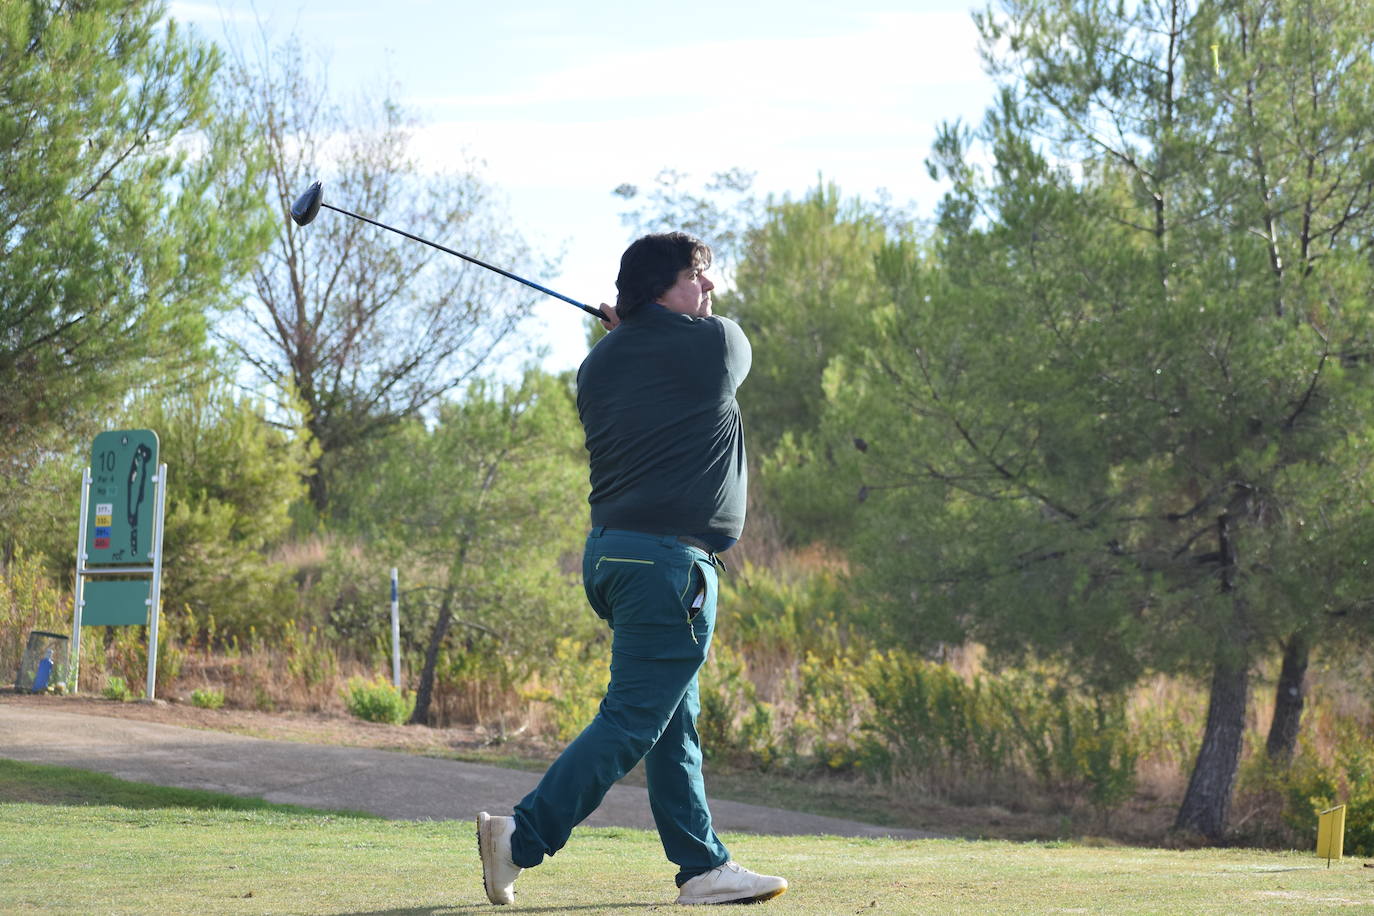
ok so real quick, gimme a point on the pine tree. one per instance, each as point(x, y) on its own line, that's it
point(1124, 415)
point(118, 241)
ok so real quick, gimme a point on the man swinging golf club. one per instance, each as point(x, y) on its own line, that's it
point(668, 479)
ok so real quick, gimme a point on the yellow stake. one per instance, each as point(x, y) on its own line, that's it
point(1331, 834)
point(1216, 59)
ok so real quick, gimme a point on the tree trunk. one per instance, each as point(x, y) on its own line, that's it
point(1207, 803)
point(436, 639)
point(1289, 698)
point(318, 490)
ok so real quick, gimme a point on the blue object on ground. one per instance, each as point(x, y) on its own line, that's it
point(40, 680)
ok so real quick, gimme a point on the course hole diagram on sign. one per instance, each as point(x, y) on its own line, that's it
point(137, 490)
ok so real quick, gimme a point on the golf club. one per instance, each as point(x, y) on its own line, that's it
point(307, 207)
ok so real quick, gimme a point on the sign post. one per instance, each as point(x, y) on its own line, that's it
point(119, 541)
point(395, 631)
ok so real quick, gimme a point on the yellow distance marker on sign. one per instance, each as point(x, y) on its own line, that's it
point(1331, 834)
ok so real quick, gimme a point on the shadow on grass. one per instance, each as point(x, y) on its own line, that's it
point(42, 784)
point(487, 908)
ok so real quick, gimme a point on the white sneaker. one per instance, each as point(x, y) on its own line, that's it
point(499, 871)
point(731, 884)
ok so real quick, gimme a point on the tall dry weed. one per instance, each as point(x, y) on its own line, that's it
point(29, 600)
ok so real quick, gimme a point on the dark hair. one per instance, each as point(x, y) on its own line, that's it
point(650, 266)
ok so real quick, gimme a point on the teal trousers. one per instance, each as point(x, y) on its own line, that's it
point(659, 597)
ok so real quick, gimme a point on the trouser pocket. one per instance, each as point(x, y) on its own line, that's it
point(699, 600)
point(653, 582)
point(698, 593)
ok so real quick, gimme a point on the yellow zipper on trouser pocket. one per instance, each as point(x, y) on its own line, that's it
point(605, 559)
point(602, 559)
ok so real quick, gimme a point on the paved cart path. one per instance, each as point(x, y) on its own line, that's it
point(388, 783)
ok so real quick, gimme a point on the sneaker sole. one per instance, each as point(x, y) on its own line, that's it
point(484, 848)
point(738, 901)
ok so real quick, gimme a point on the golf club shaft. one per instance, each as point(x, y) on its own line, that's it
point(469, 258)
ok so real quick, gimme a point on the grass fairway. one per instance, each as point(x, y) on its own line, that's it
point(77, 842)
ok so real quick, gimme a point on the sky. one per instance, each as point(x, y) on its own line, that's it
point(561, 102)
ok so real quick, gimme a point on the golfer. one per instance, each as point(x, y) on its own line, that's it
point(668, 479)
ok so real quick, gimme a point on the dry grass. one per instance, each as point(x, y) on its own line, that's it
point(28, 602)
point(259, 681)
point(310, 555)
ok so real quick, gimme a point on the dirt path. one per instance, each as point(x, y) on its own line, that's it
point(193, 748)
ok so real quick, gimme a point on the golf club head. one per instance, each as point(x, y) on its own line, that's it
point(307, 205)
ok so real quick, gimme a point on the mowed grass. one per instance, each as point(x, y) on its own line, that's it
point(78, 842)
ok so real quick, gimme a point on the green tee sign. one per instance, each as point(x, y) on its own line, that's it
point(116, 603)
point(119, 521)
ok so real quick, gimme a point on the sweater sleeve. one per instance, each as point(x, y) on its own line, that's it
point(739, 355)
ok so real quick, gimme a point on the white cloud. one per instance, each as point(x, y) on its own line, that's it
point(787, 145)
point(858, 107)
point(897, 53)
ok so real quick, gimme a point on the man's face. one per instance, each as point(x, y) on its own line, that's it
point(690, 295)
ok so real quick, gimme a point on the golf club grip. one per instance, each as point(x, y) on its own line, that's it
point(469, 258)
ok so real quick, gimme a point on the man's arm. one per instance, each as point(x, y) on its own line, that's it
point(739, 355)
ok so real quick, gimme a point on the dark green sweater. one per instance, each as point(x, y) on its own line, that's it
point(657, 401)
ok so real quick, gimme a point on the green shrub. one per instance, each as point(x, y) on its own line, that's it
point(792, 613)
point(734, 722)
point(929, 722)
point(262, 699)
point(1312, 782)
point(1105, 753)
point(310, 659)
point(341, 590)
point(378, 701)
point(830, 702)
point(127, 654)
point(117, 689)
point(207, 698)
point(1074, 742)
point(577, 682)
point(927, 719)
